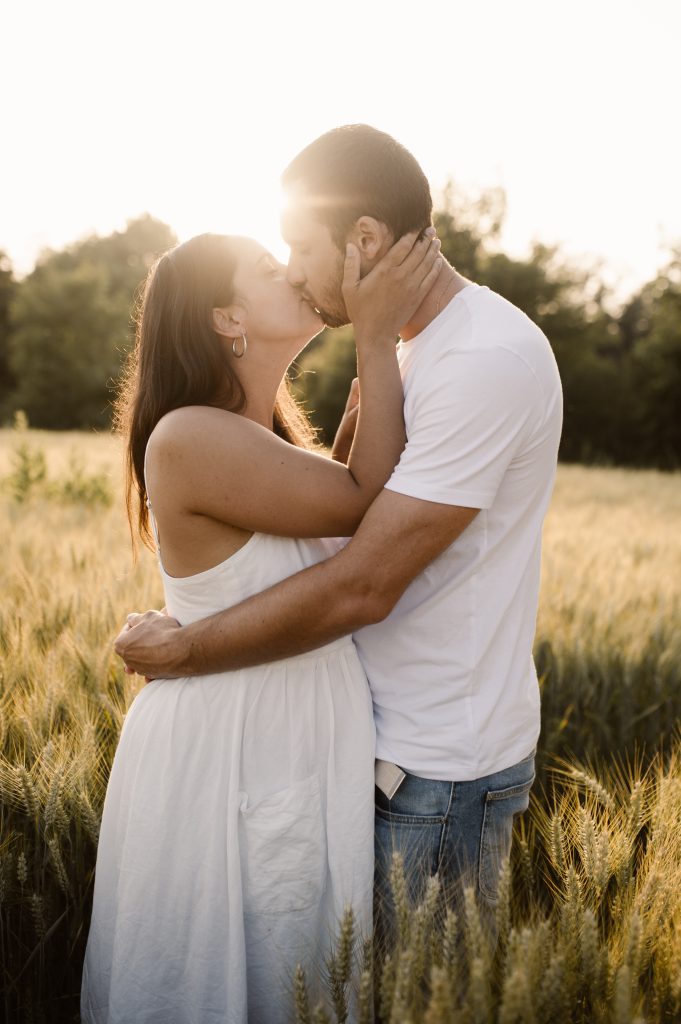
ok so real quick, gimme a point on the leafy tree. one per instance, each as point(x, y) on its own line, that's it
point(8, 287)
point(69, 334)
point(654, 319)
point(467, 227)
point(124, 255)
point(71, 320)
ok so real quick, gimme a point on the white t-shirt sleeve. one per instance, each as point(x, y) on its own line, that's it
point(469, 417)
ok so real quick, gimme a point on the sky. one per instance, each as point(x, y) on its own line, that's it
point(190, 112)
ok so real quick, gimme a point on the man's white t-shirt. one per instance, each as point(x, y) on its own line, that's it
point(452, 678)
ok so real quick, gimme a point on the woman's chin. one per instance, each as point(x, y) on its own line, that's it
point(316, 323)
point(311, 315)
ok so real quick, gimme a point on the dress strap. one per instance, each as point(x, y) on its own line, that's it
point(152, 517)
point(154, 527)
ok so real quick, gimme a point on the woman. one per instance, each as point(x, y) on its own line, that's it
point(238, 820)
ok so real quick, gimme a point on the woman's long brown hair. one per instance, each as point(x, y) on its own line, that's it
point(178, 359)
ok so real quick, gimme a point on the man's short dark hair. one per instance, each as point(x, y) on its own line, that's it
point(356, 171)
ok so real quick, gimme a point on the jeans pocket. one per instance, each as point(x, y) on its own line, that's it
point(283, 850)
point(396, 818)
point(502, 806)
point(417, 802)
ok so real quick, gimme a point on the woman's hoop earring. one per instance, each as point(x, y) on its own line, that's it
point(240, 355)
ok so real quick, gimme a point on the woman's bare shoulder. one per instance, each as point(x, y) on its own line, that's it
point(190, 425)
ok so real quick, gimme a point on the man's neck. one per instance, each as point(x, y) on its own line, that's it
point(449, 283)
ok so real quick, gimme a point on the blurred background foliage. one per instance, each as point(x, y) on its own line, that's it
point(66, 327)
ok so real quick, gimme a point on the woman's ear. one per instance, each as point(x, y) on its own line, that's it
point(372, 237)
point(229, 322)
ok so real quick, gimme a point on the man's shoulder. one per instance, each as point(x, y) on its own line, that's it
point(482, 337)
point(478, 318)
point(492, 353)
point(494, 314)
point(483, 325)
point(498, 327)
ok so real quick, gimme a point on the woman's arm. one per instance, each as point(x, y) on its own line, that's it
point(236, 471)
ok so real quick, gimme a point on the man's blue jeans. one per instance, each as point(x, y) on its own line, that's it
point(460, 830)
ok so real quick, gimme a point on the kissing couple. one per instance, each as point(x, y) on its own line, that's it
point(345, 667)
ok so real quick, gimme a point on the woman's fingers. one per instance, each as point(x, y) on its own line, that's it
point(419, 271)
point(409, 247)
point(422, 256)
point(381, 302)
point(432, 274)
point(351, 268)
point(431, 264)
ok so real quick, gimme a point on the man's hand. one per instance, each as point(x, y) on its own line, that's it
point(150, 644)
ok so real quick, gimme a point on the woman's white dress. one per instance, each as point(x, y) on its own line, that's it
point(238, 822)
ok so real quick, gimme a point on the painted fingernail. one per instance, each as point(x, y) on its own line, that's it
point(430, 232)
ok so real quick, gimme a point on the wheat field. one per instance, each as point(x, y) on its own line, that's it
point(590, 913)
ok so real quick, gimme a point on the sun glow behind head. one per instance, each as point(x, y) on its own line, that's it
point(194, 121)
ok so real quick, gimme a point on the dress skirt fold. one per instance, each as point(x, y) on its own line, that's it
point(237, 825)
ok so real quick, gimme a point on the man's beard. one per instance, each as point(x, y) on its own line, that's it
point(333, 319)
point(332, 310)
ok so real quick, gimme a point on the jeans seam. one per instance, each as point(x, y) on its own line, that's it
point(445, 823)
point(482, 889)
point(492, 797)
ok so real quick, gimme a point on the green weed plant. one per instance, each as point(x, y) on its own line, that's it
point(28, 477)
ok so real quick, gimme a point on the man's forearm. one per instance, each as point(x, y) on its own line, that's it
point(398, 537)
point(299, 614)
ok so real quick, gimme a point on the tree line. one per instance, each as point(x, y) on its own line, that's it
point(66, 328)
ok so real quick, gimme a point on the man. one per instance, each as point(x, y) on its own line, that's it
point(440, 583)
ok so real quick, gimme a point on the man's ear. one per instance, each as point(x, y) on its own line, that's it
point(229, 321)
point(372, 237)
